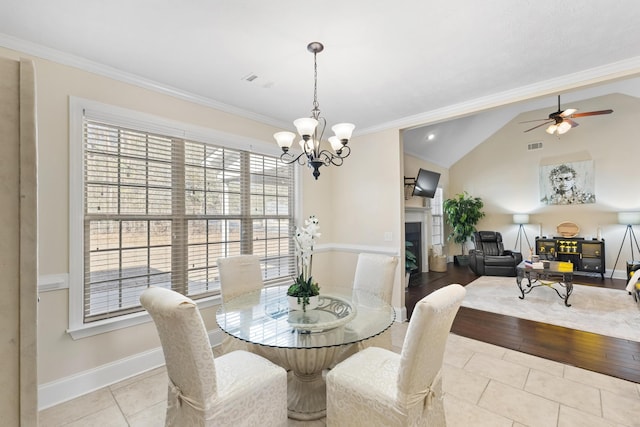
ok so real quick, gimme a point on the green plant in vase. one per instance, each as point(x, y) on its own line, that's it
point(410, 260)
point(463, 213)
point(304, 286)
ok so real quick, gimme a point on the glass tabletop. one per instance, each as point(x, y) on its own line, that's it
point(552, 267)
point(263, 317)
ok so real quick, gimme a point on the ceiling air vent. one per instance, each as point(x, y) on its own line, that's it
point(250, 77)
point(534, 146)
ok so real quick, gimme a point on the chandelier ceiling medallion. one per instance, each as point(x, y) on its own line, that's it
point(308, 129)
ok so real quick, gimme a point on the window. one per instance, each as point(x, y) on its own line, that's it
point(437, 224)
point(160, 210)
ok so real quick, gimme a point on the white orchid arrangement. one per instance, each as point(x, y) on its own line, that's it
point(305, 237)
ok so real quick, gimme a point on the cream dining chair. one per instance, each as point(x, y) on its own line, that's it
point(375, 273)
point(377, 387)
point(239, 274)
point(237, 389)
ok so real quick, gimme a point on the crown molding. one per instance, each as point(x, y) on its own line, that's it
point(43, 52)
point(616, 70)
point(613, 71)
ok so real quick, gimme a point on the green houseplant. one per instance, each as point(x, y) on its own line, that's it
point(410, 261)
point(304, 287)
point(463, 213)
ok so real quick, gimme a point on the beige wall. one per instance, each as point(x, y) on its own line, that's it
point(364, 201)
point(506, 176)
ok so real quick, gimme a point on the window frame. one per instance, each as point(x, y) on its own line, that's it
point(78, 107)
point(439, 195)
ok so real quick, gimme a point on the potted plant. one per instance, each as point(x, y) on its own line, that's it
point(410, 261)
point(304, 290)
point(463, 213)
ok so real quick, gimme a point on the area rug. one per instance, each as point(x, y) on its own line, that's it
point(602, 311)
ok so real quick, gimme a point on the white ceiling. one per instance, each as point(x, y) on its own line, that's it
point(385, 64)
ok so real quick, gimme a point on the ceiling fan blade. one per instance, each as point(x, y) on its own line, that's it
point(592, 113)
point(571, 122)
point(541, 124)
point(536, 120)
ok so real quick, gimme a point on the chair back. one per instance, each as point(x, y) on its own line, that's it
point(185, 343)
point(375, 273)
point(423, 349)
point(239, 274)
point(489, 242)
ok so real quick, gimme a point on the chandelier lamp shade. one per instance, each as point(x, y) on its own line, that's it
point(311, 130)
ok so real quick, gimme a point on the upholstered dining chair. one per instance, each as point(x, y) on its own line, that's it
point(377, 387)
point(375, 273)
point(239, 274)
point(237, 389)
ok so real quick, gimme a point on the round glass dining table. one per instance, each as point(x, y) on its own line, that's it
point(304, 342)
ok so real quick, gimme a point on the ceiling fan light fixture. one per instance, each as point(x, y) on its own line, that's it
point(563, 128)
point(561, 120)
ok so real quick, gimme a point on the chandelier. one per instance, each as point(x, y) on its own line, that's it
point(311, 129)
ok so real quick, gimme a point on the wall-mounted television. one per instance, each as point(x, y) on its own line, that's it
point(426, 183)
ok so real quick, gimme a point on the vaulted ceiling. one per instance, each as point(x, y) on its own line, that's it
point(400, 64)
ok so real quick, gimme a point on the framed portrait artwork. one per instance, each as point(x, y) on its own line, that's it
point(569, 183)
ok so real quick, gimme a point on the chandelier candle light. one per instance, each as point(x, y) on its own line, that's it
point(307, 128)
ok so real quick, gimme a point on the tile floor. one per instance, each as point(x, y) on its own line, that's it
point(485, 385)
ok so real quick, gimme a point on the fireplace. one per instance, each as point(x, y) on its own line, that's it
point(413, 234)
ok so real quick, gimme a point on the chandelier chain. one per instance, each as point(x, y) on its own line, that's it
point(316, 106)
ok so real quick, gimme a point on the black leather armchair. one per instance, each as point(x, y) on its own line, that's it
point(489, 258)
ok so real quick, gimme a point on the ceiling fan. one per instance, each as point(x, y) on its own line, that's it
point(561, 120)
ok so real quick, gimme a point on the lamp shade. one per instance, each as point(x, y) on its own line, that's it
point(629, 218)
point(521, 218)
point(305, 126)
point(335, 142)
point(284, 139)
point(563, 127)
point(343, 130)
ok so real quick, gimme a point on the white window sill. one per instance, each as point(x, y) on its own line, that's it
point(108, 325)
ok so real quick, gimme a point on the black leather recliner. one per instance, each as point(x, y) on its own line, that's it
point(489, 258)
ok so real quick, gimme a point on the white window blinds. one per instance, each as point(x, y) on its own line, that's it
point(160, 211)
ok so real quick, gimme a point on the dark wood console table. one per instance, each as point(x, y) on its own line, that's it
point(587, 256)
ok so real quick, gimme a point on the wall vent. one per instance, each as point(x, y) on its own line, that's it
point(534, 146)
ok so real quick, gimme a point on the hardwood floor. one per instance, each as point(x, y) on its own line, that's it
point(610, 356)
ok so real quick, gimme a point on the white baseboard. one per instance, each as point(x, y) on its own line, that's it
point(401, 314)
point(64, 389)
